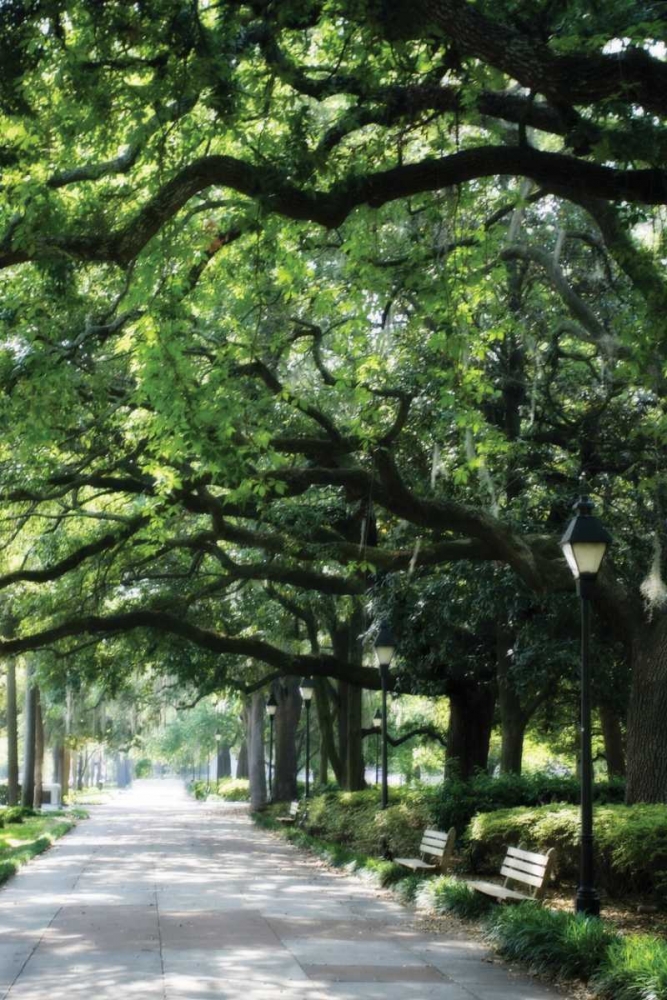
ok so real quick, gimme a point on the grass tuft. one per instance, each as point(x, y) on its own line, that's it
point(635, 968)
point(550, 942)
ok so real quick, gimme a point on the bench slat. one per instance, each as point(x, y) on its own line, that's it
point(436, 835)
point(435, 844)
point(518, 852)
point(525, 866)
point(428, 849)
point(499, 891)
point(416, 864)
point(518, 876)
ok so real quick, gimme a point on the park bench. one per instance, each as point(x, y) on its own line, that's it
point(435, 852)
point(292, 815)
point(520, 867)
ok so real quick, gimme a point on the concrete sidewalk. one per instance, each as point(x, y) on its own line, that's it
point(157, 896)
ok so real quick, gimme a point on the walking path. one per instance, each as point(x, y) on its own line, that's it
point(162, 898)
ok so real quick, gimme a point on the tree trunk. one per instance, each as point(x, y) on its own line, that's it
point(224, 762)
point(612, 734)
point(64, 772)
point(328, 750)
point(513, 719)
point(12, 736)
point(242, 762)
point(349, 737)
point(354, 764)
point(28, 784)
point(285, 725)
point(256, 760)
point(81, 768)
point(39, 751)
point(469, 734)
point(647, 758)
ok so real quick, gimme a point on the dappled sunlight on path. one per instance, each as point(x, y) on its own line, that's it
point(157, 896)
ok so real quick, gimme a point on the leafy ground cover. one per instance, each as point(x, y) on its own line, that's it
point(19, 842)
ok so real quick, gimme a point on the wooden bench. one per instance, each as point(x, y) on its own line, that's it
point(435, 852)
point(292, 816)
point(523, 868)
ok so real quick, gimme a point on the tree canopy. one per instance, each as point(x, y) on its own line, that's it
point(299, 294)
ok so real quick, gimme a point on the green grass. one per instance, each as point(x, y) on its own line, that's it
point(22, 841)
point(635, 968)
point(549, 941)
point(88, 796)
point(446, 894)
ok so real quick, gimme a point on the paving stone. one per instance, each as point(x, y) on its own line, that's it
point(374, 973)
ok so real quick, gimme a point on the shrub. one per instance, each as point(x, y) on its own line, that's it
point(16, 814)
point(549, 941)
point(143, 768)
point(630, 843)
point(354, 819)
point(232, 789)
point(635, 968)
point(229, 789)
point(458, 801)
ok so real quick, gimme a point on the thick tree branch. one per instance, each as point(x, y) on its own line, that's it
point(286, 663)
point(330, 209)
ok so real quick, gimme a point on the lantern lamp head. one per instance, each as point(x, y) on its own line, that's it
point(585, 541)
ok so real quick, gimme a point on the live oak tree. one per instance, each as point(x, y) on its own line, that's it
point(296, 294)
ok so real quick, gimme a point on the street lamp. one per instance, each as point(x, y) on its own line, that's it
point(271, 709)
point(584, 545)
point(307, 691)
point(377, 726)
point(384, 653)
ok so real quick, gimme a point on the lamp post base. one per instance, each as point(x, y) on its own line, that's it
point(587, 902)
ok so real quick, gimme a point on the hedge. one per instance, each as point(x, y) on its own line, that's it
point(458, 801)
point(354, 819)
point(630, 843)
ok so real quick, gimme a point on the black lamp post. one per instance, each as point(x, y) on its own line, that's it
point(377, 726)
point(307, 691)
point(584, 545)
point(384, 652)
point(271, 709)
